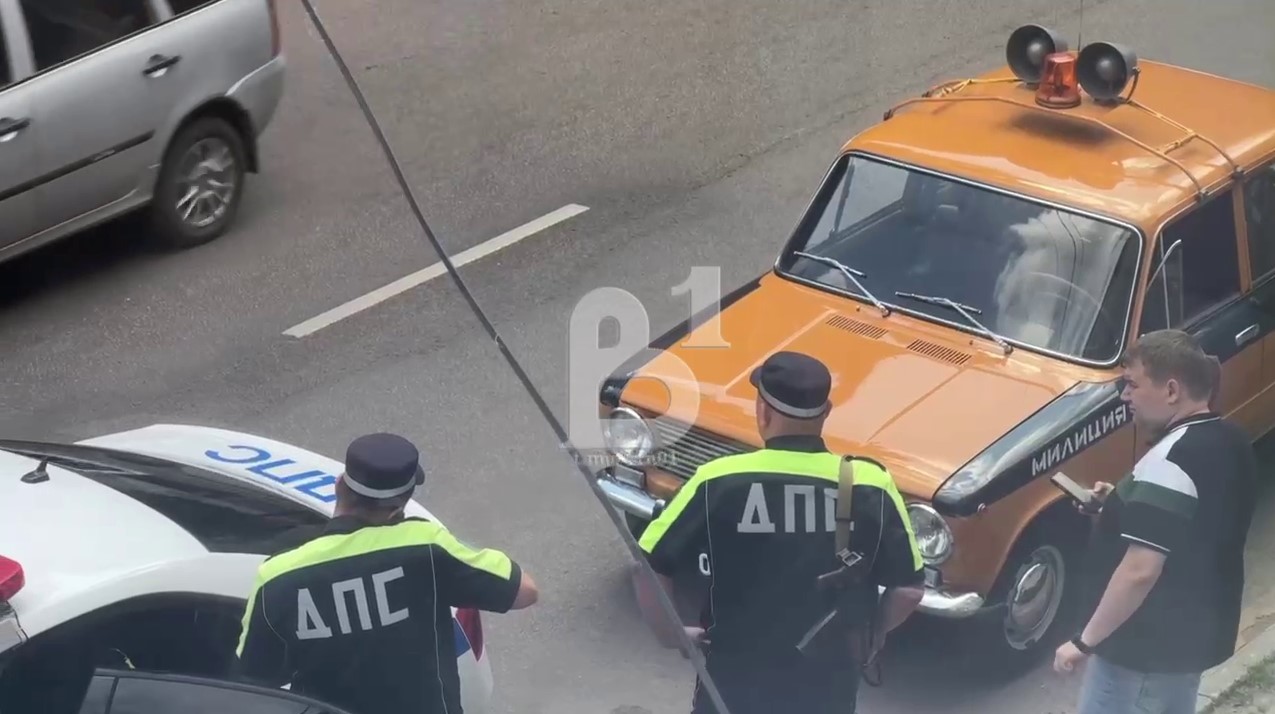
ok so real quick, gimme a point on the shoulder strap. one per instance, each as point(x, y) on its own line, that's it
point(845, 496)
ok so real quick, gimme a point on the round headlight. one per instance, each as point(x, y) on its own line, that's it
point(628, 436)
point(933, 537)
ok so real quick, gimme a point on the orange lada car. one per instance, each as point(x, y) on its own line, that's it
point(971, 269)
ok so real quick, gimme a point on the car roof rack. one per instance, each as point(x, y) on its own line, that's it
point(948, 92)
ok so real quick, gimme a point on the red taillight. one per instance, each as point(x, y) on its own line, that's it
point(471, 623)
point(1058, 88)
point(276, 37)
point(11, 578)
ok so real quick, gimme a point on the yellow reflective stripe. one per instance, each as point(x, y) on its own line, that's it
point(794, 463)
point(486, 560)
point(247, 615)
point(656, 529)
point(873, 475)
point(338, 546)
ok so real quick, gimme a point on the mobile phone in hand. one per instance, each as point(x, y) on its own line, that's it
point(1078, 493)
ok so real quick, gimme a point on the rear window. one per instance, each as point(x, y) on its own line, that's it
point(226, 516)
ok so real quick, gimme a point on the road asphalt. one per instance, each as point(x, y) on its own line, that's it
point(694, 133)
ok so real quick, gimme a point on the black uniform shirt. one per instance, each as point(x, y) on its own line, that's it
point(764, 522)
point(360, 616)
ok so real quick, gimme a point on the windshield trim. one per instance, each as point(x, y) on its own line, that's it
point(795, 236)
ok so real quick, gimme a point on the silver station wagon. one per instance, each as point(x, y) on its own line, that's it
point(108, 106)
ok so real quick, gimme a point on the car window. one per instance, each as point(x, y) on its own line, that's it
point(97, 696)
point(224, 514)
point(1259, 214)
point(181, 7)
point(1201, 273)
point(62, 30)
point(154, 696)
point(6, 74)
point(1041, 275)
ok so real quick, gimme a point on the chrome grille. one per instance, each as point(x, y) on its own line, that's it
point(682, 450)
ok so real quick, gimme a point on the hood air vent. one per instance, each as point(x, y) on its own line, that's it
point(939, 352)
point(842, 322)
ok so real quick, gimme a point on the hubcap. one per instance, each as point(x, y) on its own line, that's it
point(206, 182)
point(1034, 597)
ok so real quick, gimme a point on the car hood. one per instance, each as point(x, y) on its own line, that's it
point(920, 398)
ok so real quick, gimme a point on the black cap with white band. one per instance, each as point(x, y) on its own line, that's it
point(795, 384)
point(382, 466)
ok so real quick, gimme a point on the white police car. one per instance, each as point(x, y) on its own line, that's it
point(126, 561)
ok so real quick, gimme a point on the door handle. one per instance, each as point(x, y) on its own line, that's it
point(1246, 334)
point(9, 127)
point(158, 65)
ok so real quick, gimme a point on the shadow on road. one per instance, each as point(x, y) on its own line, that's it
point(87, 255)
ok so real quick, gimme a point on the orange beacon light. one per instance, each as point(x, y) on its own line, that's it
point(1059, 88)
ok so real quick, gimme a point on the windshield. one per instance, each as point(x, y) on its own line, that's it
point(226, 516)
point(1037, 275)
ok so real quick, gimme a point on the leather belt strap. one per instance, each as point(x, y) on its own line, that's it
point(845, 503)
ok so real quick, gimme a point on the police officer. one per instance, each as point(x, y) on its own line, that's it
point(763, 524)
point(359, 616)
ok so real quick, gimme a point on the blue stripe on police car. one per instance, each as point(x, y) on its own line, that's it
point(280, 470)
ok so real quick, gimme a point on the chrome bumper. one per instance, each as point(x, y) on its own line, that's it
point(935, 602)
point(940, 603)
point(628, 498)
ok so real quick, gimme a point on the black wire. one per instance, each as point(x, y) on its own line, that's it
point(693, 652)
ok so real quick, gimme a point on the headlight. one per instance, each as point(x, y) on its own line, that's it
point(628, 436)
point(933, 537)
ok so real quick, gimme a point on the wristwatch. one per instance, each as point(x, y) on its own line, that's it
point(1080, 645)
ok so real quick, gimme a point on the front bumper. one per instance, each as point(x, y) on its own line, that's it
point(630, 499)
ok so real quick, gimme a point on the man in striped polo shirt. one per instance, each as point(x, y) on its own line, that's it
point(1167, 562)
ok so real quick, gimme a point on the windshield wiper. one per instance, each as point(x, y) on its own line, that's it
point(850, 273)
point(965, 311)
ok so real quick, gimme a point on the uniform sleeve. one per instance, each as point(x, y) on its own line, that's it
point(898, 563)
point(679, 533)
point(1159, 506)
point(486, 579)
point(262, 654)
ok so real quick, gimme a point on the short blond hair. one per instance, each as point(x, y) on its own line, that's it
point(1174, 354)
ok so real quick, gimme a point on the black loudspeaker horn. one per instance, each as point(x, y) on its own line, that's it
point(1027, 48)
point(1104, 69)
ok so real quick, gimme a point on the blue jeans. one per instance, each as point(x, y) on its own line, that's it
point(1111, 689)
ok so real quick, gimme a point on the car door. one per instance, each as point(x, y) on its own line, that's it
point(133, 692)
point(95, 105)
point(18, 170)
point(1201, 288)
point(1259, 223)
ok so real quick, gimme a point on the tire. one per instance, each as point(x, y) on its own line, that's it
point(1010, 641)
point(221, 141)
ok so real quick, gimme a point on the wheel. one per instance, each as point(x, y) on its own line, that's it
point(1037, 593)
point(200, 184)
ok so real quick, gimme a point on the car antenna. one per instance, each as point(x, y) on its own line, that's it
point(1080, 33)
point(40, 474)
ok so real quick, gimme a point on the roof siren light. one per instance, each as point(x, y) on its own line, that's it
point(1027, 49)
point(1105, 69)
point(1058, 88)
